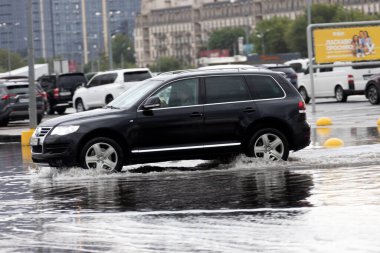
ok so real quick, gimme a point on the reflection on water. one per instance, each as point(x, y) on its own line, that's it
point(314, 202)
point(350, 136)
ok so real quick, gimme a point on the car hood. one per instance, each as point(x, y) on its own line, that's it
point(87, 115)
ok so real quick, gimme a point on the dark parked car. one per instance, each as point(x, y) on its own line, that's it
point(291, 75)
point(193, 114)
point(372, 89)
point(60, 90)
point(14, 102)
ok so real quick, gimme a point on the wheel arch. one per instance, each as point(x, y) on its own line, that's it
point(104, 132)
point(269, 122)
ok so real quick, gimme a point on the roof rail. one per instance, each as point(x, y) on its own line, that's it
point(237, 69)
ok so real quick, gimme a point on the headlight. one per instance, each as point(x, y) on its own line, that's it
point(64, 130)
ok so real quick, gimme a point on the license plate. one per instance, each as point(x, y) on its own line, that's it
point(24, 100)
point(34, 141)
point(65, 93)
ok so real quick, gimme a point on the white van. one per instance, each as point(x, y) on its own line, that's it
point(338, 82)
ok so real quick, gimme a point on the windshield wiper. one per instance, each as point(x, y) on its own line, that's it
point(112, 107)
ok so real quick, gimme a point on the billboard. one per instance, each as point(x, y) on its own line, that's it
point(347, 44)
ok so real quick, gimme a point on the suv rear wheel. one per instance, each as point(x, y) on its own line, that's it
point(340, 95)
point(102, 154)
point(270, 144)
point(373, 95)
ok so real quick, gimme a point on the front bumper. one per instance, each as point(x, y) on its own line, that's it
point(56, 151)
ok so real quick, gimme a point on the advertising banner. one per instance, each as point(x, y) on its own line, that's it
point(347, 44)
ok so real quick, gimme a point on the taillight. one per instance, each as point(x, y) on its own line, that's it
point(56, 92)
point(301, 107)
point(5, 97)
point(351, 82)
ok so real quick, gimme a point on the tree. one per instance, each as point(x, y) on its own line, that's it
point(296, 35)
point(226, 38)
point(165, 64)
point(16, 61)
point(271, 32)
point(123, 51)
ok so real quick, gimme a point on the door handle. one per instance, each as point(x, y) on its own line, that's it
point(249, 110)
point(196, 115)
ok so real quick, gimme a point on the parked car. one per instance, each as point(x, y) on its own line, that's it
point(60, 90)
point(188, 115)
point(338, 82)
point(106, 86)
point(372, 89)
point(14, 102)
point(291, 75)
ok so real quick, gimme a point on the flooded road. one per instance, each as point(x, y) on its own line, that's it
point(321, 200)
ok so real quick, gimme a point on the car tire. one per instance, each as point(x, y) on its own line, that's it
point(340, 95)
point(61, 111)
point(79, 105)
point(304, 95)
point(4, 122)
point(102, 153)
point(268, 143)
point(373, 95)
point(109, 98)
point(39, 118)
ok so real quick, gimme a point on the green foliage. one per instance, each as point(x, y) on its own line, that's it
point(271, 32)
point(225, 38)
point(165, 64)
point(123, 51)
point(16, 60)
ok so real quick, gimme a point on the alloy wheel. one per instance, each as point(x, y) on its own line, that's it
point(101, 156)
point(269, 146)
point(373, 95)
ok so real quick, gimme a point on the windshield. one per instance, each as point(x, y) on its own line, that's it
point(134, 94)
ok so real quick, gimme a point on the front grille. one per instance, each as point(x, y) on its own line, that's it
point(43, 131)
point(37, 149)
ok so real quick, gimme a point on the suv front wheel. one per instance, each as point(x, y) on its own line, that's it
point(270, 144)
point(102, 154)
point(373, 95)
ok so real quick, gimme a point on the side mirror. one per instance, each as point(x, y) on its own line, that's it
point(151, 103)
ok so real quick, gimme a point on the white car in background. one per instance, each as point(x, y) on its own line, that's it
point(106, 86)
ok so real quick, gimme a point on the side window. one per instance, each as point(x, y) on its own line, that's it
point(136, 76)
point(47, 83)
point(108, 78)
point(264, 87)
point(180, 93)
point(225, 89)
point(95, 81)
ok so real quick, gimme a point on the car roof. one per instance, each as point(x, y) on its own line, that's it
point(122, 71)
point(166, 76)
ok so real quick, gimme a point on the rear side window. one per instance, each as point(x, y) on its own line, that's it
point(48, 83)
point(108, 78)
point(70, 81)
point(297, 67)
point(223, 89)
point(18, 89)
point(136, 76)
point(264, 87)
point(95, 81)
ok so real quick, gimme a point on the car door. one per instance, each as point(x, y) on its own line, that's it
point(89, 96)
point(177, 124)
point(228, 111)
point(106, 87)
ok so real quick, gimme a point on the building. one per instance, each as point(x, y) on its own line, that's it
point(179, 28)
point(70, 30)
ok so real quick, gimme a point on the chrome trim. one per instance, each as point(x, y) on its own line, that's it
point(42, 139)
point(232, 102)
point(184, 148)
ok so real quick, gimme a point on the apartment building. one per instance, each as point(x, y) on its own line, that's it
point(180, 28)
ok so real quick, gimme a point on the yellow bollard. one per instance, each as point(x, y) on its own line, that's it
point(323, 131)
point(25, 137)
point(333, 143)
point(378, 122)
point(324, 121)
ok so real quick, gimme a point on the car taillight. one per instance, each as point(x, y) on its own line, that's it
point(56, 92)
point(351, 82)
point(8, 96)
point(301, 107)
point(43, 94)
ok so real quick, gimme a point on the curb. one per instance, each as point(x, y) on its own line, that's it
point(10, 138)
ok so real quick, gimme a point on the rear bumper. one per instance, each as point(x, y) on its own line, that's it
point(302, 139)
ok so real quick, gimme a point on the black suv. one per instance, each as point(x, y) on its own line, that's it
point(60, 90)
point(14, 101)
point(290, 74)
point(186, 115)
